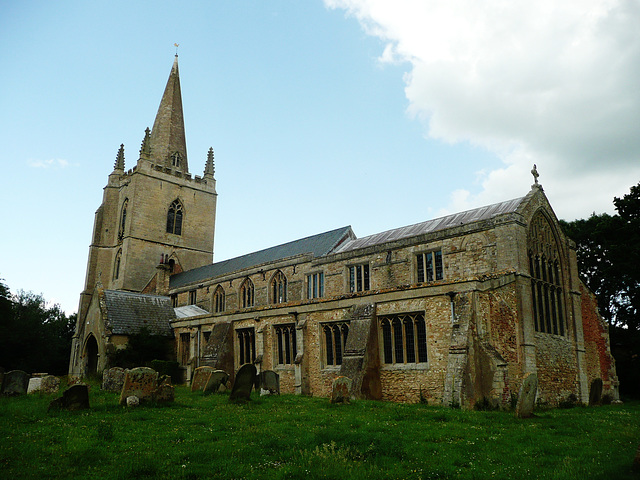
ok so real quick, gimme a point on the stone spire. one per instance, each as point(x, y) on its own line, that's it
point(167, 141)
point(119, 165)
point(209, 168)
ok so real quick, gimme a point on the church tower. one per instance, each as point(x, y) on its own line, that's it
point(156, 212)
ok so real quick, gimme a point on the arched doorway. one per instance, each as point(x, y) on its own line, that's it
point(91, 354)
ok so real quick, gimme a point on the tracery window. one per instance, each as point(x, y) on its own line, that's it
point(218, 299)
point(404, 338)
point(279, 288)
point(116, 265)
point(246, 345)
point(123, 219)
point(429, 266)
point(247, 294)
point(286, 348)
point(175, 159)
point(174, 218)
point(545, 269)
point(334, 338)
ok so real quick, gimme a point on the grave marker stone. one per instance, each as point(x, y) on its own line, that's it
point(244, 382)
point(201, 377)
point(50, 384)
point(76, 397)
point(341, 390)
point(15, 382)
point(527, 396)
point(113, 379)
point(217, 379)
point(35, 384)
point(270, 380)
point(141, 382)
point(595, 392)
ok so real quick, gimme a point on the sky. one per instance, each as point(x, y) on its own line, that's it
point(370, 113)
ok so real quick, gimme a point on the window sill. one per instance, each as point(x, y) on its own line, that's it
point(405, 366)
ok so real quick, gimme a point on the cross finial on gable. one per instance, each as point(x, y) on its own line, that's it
point(534, 172)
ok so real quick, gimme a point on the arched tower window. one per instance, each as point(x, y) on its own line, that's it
point(174, 218)
point(116, 265)
point(247, 294)
point(123, 219)
point(545, 268)
point(218, 299)
point(175, 159)
point(279, 288)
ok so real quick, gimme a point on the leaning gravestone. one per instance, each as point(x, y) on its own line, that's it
point(270, 381)
point(15, 382)
point(245, 379)
point(113, 379)
point(341, 390)
point(76, 397)
point(201, 377)
point(141, 382)
point(217, 379)
point(527, 396)
point(50, 384)
point(595, 392)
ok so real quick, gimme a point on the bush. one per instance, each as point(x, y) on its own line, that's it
point(167, 367)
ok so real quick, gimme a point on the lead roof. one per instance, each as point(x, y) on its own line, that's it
point(128, 313)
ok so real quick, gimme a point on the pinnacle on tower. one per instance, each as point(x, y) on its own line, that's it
point(119, 165)
point(209, 168)
point(167, 141)
point(145, 148)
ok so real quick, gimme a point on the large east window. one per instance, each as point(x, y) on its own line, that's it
point(359, 278)
point(286, 348)
point(429, 266)
point(174, 218)
point(334, 336)
point(404, 338)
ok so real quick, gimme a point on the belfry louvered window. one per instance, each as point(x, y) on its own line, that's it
point(174, 218)
point(545, 268)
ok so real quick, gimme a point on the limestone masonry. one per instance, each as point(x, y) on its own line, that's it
point(452, 310)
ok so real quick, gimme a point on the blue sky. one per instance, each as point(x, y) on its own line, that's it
point(369, 113)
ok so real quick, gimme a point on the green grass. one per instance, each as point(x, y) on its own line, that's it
point(298, 437)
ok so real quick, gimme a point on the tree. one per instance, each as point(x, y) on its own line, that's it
point(34, 337)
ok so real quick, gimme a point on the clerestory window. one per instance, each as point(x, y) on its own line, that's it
point(218, 299)
point(429, 266)
point(174, 218)
point(279, 288)
point(359, 278)
point(315, 285)
point(247, 294)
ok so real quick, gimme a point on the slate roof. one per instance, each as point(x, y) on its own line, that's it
point(316, 245)
point(128, 313)
point(189, 311)
point(455, 220)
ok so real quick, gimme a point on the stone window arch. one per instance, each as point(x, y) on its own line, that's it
point(404, 338)
point(278, 287)
point(117, 264)
point(174, 217)
point(123, 219)
point(247, 294)
point(545, 268)
point(219, 299)
point(334, 340)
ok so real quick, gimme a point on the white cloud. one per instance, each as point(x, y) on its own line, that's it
point(51, 163)
point(546, 82)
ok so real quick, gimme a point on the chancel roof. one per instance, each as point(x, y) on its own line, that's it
point(128, 313)
point(315, 245)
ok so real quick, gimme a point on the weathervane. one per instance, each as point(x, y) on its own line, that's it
point(176, 45)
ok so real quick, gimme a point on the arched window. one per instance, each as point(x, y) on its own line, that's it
point(545, 269)
point(247, 294)
point(286, 348)
point(279, 288)
point(116, 265)
point(404, 338)
point(123, 219)
point(246, 345)
point(218, 299)
point(174, 218)
point(175, 159)
point(335, 339)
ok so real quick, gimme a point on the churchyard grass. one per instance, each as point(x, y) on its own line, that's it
point(287, 436)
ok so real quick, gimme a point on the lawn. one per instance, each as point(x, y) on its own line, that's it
point(299, 437)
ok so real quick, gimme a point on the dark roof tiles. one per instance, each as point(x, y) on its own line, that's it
point(128, 313)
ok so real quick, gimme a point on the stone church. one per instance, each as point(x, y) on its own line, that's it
point(452, 310)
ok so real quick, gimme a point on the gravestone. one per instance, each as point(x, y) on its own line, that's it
point(35, 384)
point(201, 377)
point(595, 392)
point(244, 382)
point(217, 379)
point(164, 380)
point(527, 396)
point(76, 397)
point(141, 382)
point(50, 384)
point(133, 401)
point(165, 393)
point(270, 381)
point(113, 379)
point(15, 382)
point(341, 390)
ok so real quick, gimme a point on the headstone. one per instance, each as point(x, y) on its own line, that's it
point(76, 397)
point(595, 392)
point(217, 379)
point(15, 382)
point(527, 396)
point(201, 377)
point(165, 393)
point(141, 382)
point(133, 401)
point(341, 390)
point(50, 384)
point(164, 380)
point(35, 384)
point(244, 382)
point(270, 381)
point(113, 379)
